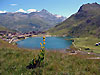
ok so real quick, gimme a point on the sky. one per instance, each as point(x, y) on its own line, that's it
point(61, 7)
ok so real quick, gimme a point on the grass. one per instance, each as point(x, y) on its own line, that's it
point(14, 61)
point(87, 42)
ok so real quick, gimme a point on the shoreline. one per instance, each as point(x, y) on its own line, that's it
point(60, 50)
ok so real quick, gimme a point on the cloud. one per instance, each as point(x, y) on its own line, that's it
point(31, 10)
point(21, 10)
point(13, 4)
point(3, 11)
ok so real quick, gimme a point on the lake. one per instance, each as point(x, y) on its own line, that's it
point(52, 43)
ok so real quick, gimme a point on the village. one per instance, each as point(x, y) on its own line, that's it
point(13, 37)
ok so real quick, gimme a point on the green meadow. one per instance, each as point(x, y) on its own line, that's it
point(87, 42)
point(13, 61)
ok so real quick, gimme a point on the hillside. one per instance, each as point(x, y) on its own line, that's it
point(34, 21)
point(83, 23)
point(2, 28)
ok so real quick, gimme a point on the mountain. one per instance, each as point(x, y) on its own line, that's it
point(83, 23)
point(34, 21)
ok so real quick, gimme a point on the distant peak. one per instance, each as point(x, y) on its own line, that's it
point(44, 10)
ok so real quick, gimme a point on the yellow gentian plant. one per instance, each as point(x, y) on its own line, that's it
point(37, 62)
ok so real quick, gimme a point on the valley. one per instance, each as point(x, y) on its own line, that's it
point(42, 43)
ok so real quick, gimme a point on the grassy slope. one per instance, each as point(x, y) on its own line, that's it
point(83, 23)
point(14, 61)
point(88, 42)
point(2, 28)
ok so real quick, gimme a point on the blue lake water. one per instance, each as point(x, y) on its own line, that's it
point(52, 43)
